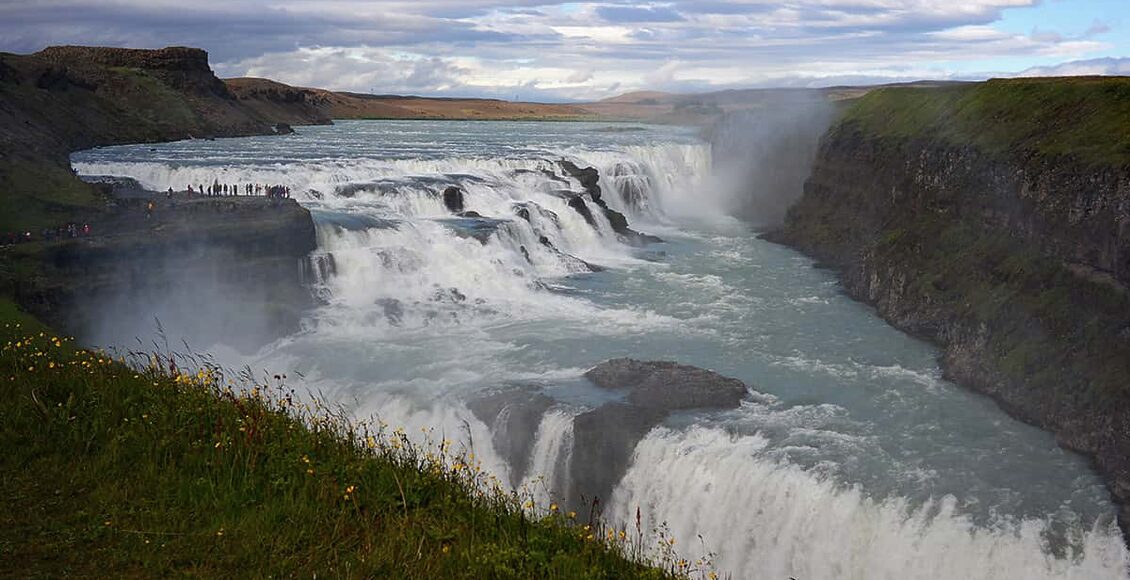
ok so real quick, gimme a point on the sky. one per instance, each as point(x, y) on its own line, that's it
point(566, 51)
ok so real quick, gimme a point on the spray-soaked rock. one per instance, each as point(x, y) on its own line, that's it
point(668, 385)
point(604, 438)
point(588, 177)
point(453, 199)
point(513, 415)
point(578, 204)
point(603, 441)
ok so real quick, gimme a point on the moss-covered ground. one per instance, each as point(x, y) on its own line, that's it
point(1083, 117)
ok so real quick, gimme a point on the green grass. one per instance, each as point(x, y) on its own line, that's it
point(36, 194)
point(110, 471)
point(1086, 117)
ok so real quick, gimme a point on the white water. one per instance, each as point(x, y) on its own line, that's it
point(853, 458)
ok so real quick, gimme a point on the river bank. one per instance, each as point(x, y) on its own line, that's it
point(969, 217)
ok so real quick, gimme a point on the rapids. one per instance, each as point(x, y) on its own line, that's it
point(851, 457)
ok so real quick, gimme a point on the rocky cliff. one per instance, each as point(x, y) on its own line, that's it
point(229, 268)
point(994, 220)
point(207, 270)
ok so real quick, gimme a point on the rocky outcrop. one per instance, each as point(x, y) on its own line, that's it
point(513, 415)
point(453, 199)
point(667, 385)
point(589, 178)
point(604, 438)
point(241, 260)
point(208, 269)
point(1013, 260)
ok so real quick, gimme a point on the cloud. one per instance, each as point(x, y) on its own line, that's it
point(638, 14)
point(1097, 66)
point(559, 50)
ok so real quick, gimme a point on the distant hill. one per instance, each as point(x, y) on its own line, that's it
point(705, 108)
point(267, 95)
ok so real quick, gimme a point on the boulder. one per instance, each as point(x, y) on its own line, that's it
point(283, 129)
point(453, 199)
point(668, 385)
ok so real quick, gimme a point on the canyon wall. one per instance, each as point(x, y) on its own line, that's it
point(994, 220)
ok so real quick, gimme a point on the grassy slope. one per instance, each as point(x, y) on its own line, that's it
point(1085, 117)
point(111, 472)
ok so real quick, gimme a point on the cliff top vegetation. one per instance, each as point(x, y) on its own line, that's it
point(1084, 117)
point(155, 470)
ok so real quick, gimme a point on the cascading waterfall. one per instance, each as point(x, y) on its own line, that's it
point(849, 469)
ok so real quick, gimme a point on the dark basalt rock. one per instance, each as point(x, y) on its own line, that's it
point(283, 129)
point(453, 199)
point(513, 415)
point(620, 226)
point(578, 204)
point(470, 214)
point(668, 385)
point(604, 438)
point(603, 442)
point(588, 177)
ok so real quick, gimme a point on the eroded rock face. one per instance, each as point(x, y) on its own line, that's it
point(893, 216)
point(603, 441)
point(513, 415)
point(604, 438)
point(578, 204)
point(668, 385)
point(589, 178)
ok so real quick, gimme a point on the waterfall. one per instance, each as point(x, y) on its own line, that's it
point(426, 313)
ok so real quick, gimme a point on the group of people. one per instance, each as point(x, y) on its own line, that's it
point(218, 189)
point(69, 230)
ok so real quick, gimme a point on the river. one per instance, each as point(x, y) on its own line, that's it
point(851, 457)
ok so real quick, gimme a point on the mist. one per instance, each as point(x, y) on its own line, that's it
point(763, 156)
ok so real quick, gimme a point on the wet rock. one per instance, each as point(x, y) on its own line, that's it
point(588, 177)
point(604, 438)
point(283, 129)
point(453, 199)
point(473, 225)
point(578, 204)
point(514, 415)
point(627, 235)
point(470, 214)
point(452, 295)
point(603, 442)
point(393, 310)
point(668, 385)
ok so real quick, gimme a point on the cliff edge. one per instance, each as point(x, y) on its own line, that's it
point(994, 220)
point(250, 251)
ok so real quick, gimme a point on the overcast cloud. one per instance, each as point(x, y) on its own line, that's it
point(538, 49)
